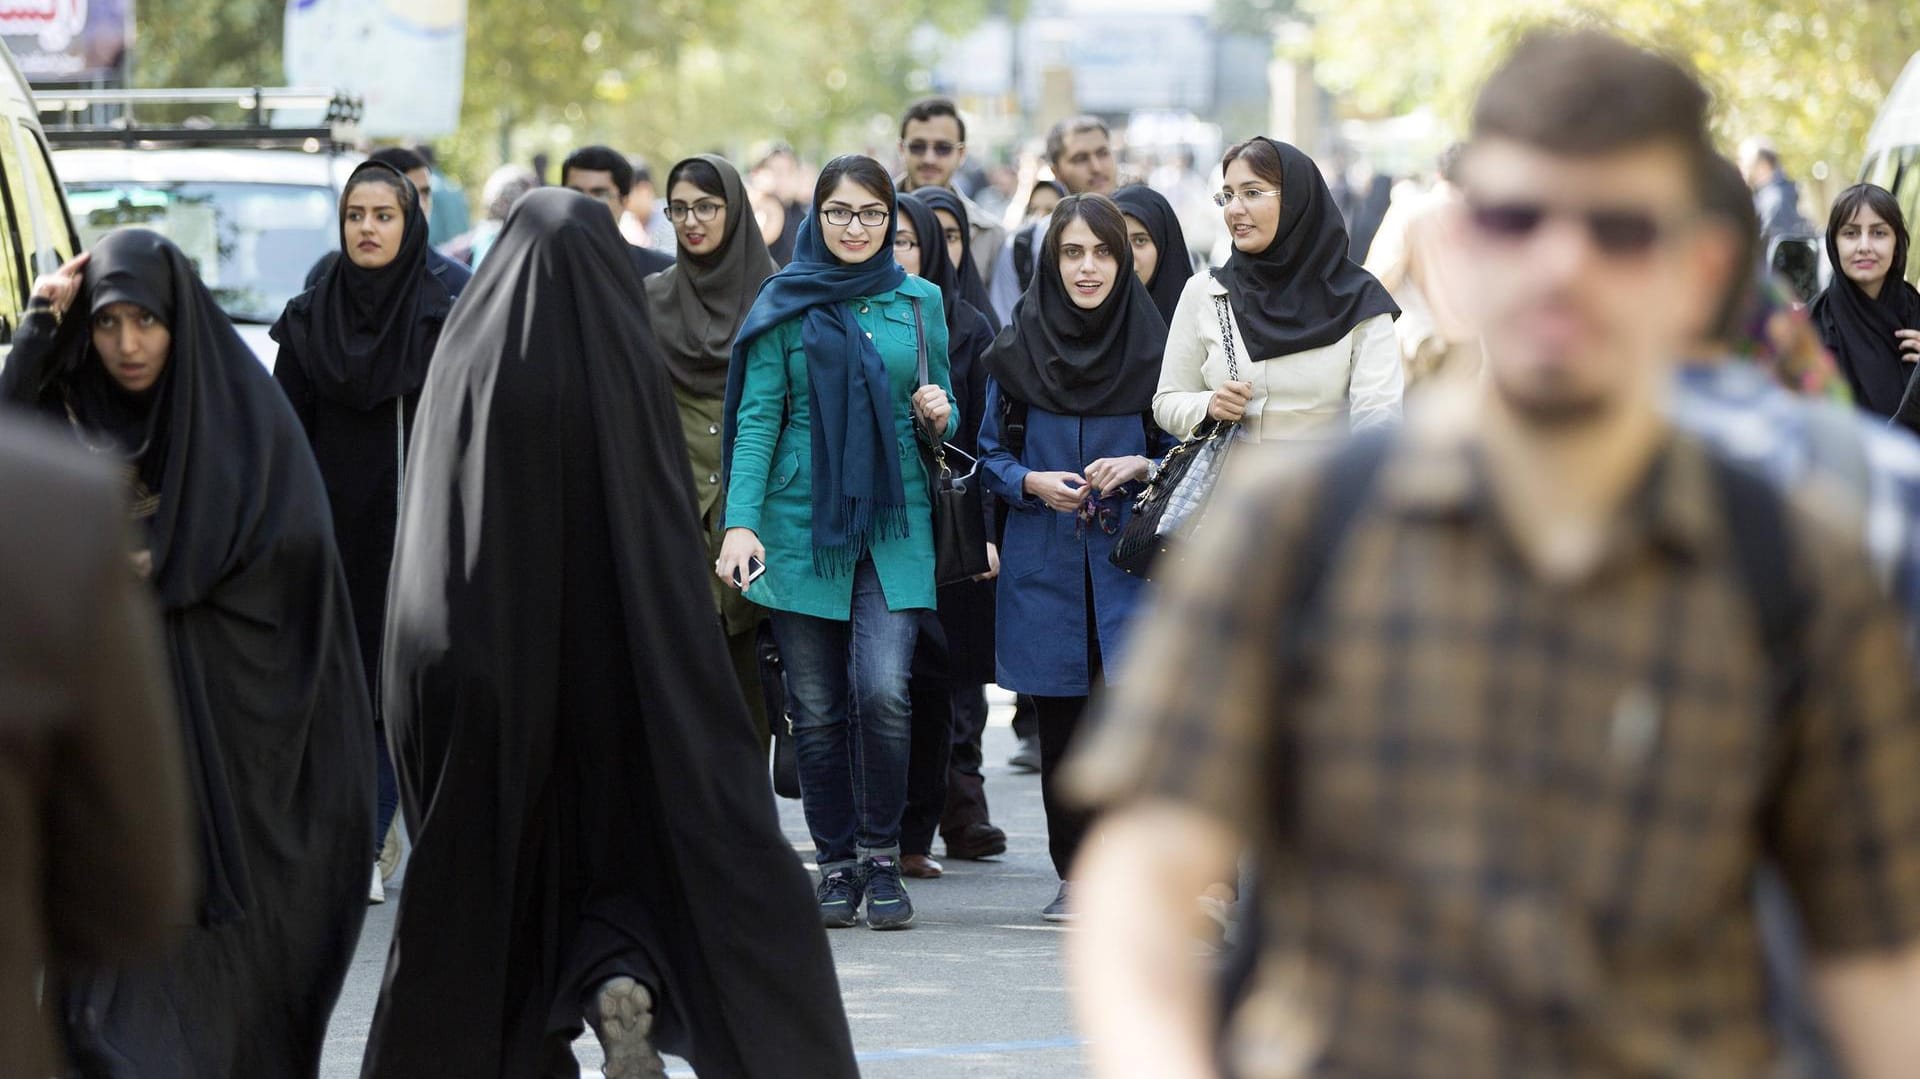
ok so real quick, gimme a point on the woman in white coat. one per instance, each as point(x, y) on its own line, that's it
point(1313, 352)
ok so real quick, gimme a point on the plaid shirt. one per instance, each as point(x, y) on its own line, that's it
point(1519, 821)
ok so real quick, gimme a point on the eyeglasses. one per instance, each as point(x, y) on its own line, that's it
point(704, 210)
point(905, 243)
point(1249, 198)
point(919, 148)
point(1618, 232)
point(841, 217)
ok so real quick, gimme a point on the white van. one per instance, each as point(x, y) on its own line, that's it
point(1893, 150)
point(38, 235)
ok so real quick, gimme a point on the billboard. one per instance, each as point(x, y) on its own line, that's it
point(68, 41)
point(351, 45)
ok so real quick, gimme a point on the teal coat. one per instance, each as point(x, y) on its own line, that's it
point(771, 487)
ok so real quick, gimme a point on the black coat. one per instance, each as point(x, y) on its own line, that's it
point(585, 790)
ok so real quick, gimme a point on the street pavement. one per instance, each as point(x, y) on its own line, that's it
point(975, 989)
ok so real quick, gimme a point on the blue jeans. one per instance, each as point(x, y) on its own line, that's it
point(851, 721)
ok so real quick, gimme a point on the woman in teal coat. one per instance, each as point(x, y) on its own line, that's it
point(829, 517)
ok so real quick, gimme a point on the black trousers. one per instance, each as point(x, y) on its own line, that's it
point(1025, 724)
point(930, 738)
point(966, 787)
point(1060, 721)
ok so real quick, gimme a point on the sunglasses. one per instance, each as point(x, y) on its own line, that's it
point(1617, 232)
point(919, 148)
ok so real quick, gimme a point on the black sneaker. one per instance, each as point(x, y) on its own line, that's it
point(840, 899)
point(887, 904)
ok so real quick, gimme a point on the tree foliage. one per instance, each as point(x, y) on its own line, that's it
point(665, 77)
point(1808, 74)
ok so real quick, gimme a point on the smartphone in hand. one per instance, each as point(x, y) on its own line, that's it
point(755, 568)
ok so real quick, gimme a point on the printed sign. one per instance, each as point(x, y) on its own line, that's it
point(68, 41)
point(351, 45)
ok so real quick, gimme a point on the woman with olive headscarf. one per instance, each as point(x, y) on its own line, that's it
point(233, 533)
point(354, 352)
point(697, 305)
point(1309, 333)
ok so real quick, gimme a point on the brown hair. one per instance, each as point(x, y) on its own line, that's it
point(1726, 197)
point(1884, 205)
point(1101, 214)
point(1074, 125)
point(1586, 92)
point(1260, 156)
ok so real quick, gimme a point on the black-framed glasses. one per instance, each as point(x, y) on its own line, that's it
point(704, 210)
point(841, 217)
point(1616, 231)
point(905, 243)
point(942, 148)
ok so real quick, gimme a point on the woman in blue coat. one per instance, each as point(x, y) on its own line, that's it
point(828, 498)
point(1067, 442)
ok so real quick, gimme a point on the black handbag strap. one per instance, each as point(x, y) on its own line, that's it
point(933, 444)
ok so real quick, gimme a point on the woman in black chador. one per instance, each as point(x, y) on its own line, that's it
point(354, 352)
point(133, 356)
point(595, 837)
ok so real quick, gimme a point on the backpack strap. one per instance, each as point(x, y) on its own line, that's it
point(1344, 490)
point(1013, 425)
point(1757, 525)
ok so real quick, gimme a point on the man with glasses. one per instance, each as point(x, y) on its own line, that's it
point(602, 173)
point(1510, 706)
point(1081, 151)
point(933, 146)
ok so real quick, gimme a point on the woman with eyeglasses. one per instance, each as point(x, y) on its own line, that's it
point(1067, 441)
point(697, 306)
point(829, 516)
point(1311, 332)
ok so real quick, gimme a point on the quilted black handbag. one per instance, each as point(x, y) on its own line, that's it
point(959, 513)
point(1172, 505)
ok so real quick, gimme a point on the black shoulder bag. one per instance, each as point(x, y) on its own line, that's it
point(959, 518)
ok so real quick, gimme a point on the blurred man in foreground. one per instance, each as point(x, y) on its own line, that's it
point(95, 863)
point(1511, 707)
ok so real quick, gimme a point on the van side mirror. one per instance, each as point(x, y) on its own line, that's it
point(1796, 260)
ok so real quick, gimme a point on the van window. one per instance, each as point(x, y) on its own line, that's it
point(1898, 171)
point(59, 236)
point(14, 272)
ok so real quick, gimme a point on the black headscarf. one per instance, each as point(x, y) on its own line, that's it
point(132, 268)
point(1073, 361)
point(547, 463)
point(1302, 292)
point(367, 336)
point(273, 707)
point(700, 301)
point(1860, 331)
point(965, 281)
point(1171, 273)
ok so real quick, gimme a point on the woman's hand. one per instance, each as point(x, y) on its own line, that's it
point(1109, 474)
point(1230, 401)
point(62, 285)
point(1909, 345)
point(993, 563)
point(737, 548)
point(1063, 491)
point(930, 401)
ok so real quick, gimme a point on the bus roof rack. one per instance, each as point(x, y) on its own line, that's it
point(102, 118)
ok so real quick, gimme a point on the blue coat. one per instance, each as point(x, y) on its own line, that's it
point(1047, 557)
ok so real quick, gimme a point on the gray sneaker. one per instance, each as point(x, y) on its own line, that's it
point(1026, 758)
point(621, 1015)
point(1061, 909)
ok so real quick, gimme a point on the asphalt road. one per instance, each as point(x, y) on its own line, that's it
point(975, 989)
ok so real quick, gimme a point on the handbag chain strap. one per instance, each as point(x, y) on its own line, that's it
point(1226, 337)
